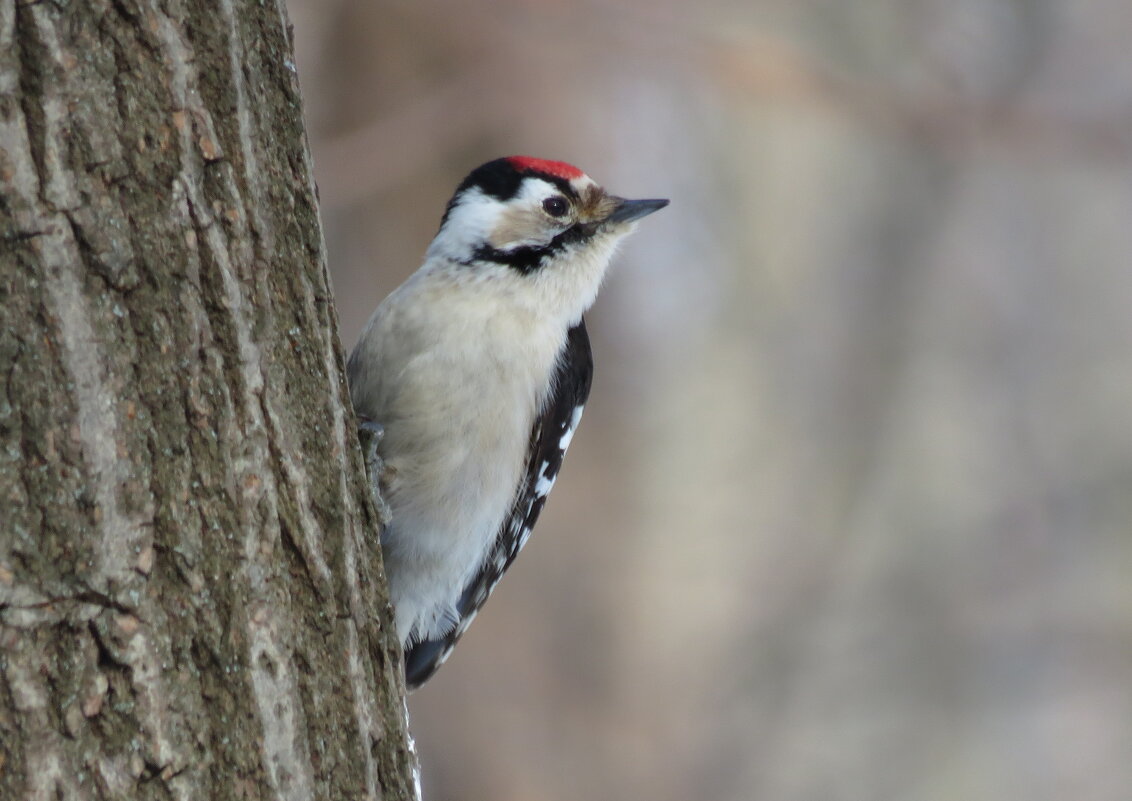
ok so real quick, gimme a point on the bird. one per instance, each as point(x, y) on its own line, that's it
point(475, 372)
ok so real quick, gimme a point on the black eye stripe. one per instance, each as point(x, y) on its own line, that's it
point(528, 259)
point(525, 259)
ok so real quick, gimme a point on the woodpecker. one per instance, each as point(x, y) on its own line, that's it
point(477, 369)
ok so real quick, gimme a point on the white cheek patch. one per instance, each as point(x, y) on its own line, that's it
point(522, 227)
point(523, 222)
point(467, 225)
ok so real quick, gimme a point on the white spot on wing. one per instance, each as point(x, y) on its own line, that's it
point(568, 435)
point(544, 484)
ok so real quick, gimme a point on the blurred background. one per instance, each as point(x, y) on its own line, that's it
point(850, 513)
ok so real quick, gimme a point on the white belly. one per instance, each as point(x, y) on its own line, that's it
point(457, 423)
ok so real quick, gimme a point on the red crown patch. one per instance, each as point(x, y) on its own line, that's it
point(559, 169)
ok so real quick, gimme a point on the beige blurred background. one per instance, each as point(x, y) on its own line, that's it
point(850, 513)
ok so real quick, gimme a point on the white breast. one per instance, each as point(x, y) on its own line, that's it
point(456, 380)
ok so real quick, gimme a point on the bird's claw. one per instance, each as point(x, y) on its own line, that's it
point(371, 433)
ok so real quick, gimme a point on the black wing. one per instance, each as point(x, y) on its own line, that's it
point(550, 437)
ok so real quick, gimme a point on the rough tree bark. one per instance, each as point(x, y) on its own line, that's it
point(190, 596)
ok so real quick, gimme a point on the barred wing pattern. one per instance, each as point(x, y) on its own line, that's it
point(550, 437)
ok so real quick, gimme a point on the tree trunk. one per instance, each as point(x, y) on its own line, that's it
point(191, 602)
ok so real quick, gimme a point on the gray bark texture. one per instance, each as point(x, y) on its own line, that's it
point(191, 601)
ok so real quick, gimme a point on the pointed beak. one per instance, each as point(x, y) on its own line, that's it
point(629, 210)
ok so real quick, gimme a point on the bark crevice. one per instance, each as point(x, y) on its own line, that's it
point(191, 603)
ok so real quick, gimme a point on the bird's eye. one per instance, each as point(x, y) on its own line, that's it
point(555, 206)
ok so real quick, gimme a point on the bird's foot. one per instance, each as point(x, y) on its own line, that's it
point(371, 433)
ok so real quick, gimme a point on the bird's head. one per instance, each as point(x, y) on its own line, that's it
point(539, 221)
